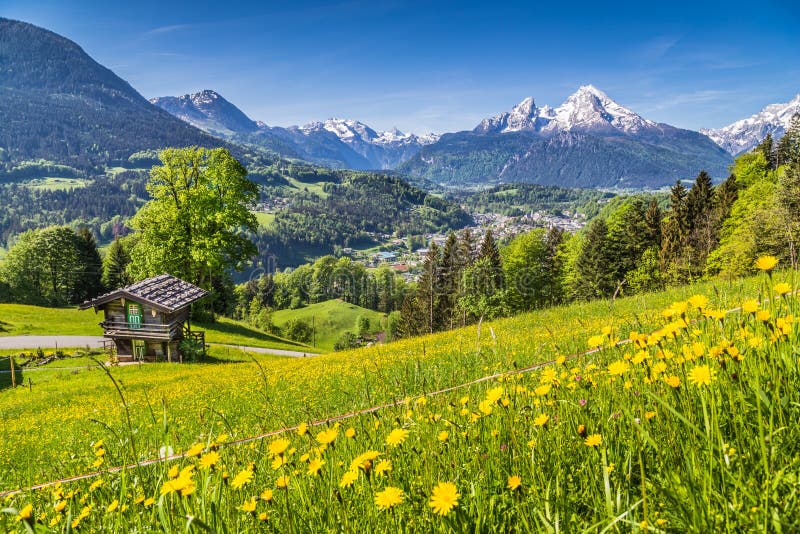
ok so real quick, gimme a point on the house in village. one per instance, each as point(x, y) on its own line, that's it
point(148, 320)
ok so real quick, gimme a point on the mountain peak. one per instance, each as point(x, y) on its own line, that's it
point(208, 110)
point(586, 110)
point(746, 134)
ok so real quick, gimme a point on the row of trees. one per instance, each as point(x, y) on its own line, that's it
point(328, 278)
point(54, 265)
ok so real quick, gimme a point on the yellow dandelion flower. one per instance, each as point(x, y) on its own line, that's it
point(113, 506)
point(282, 482)
point(541, 419)
point(209, 459)
point(595, 341)
point(702, 375)
point(350, 433)
point(302, 428)
point(782, 288)
point(173, 471)
point(263, 516)
point(249, 506)
point(543, 390)
point(766, 263)
point(514, 482)
point(649, 415)
point(348, 478)
point(388, 498)
point(384, 466)
point(444, 498)
point(619, 367)
point(396, 437)
point(485, 407)
point(26, 513)
point(444, 435)
point(279, 446)
point(364, 461)
point(266, 495)
point(762, 315)
point(698, 301)
point(593, 440)
point(494, 394)
point(59, 506)
point(243, 478)
point(672, 381)
point(326, 437)
point(278, 462)
point(315, 465)
point(195, 450)
point(750, 306)
point(149, 502)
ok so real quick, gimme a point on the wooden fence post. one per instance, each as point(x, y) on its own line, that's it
point(13, 375)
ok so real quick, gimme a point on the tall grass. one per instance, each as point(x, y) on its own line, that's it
point(692, 426)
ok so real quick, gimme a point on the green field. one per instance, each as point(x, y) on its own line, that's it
point(330, 320)
point(23, 320)
point(264, 219)
point(57, 184)
point(313, 187)
point(693, 428)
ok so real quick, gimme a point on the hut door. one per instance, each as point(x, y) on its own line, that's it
point(138, 349)
point(134, 311)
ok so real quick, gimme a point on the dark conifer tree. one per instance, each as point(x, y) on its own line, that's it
point(698, 200)
point(115, 266)
point(88, 282)
point(595, 263)
point(429, 290)
point(450, 275)
point(767, 149)
point(489, 251)
point(788, 149)
point(652, 221)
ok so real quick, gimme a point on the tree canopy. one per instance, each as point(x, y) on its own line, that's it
point(194, 225)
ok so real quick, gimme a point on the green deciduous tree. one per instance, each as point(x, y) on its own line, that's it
point(193, 226)
point(53, 265)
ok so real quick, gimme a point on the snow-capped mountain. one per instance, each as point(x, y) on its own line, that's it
point(743, 135)
point(588, 141)
point(384, 150)
point(209, 111)
point(523, 116)
point(334, 142)
point(588, 110)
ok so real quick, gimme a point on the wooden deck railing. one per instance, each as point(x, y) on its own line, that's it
point(140, 330)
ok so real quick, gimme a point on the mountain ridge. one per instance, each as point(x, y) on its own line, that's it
point(588, 141)
point(334, 142)
point(745, 134)
point(60, 105)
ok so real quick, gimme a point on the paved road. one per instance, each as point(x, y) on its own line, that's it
point(50, 342)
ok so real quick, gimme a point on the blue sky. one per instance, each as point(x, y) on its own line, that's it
point(442, 66)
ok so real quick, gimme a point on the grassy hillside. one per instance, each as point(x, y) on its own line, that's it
point(692, 428)
point(330, 319)
point(25, 320)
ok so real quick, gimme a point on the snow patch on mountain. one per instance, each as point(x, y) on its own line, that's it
point(587, 110)
point(745, 134)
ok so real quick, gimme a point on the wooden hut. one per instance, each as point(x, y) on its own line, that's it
point(149, 319)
